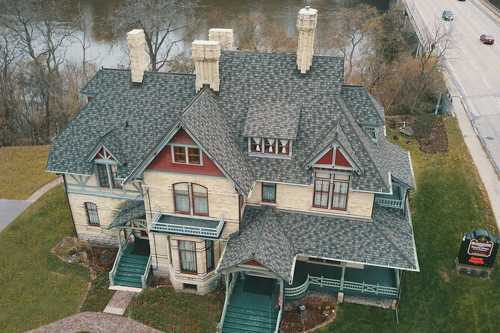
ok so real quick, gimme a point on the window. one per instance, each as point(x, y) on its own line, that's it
point(187, 256)
point(269, 146)
point(181, 198)
point(321, 192)
point(106, 175)
point(92, 215)
point(269, 192)
point(372, 133)
point(209, 251)
point(186, 155)
point(185, 194)
point(339, 195)
point(200, 199)
point(331, 190)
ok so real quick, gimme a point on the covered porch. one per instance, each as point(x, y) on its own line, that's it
point(132, 266)
point(370, 281)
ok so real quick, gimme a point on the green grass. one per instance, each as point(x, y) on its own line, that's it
point(99, 294)
point(36, 287)
point(450, 200)
point(171, 312)
point(22, 171)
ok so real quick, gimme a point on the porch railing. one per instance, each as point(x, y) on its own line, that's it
point(297, 291)
point(278, 320)
point(189, 230)
point(115, 266)
point(391, 203)
point(229, 291)
point(144, 277)
point(362, 287)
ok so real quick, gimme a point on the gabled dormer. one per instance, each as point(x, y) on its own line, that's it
point(106, 167)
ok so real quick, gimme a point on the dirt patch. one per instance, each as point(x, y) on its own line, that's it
point(72, 251)
point(319, 309)
point(437, 140)
point(101, 258)
point(444, 276)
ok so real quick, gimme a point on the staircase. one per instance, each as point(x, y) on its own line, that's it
point(131, 265)
point(130, 270)
point(240, 319)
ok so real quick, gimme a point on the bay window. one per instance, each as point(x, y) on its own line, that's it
point(190, 199)
point(187, 256)
point(331, 190)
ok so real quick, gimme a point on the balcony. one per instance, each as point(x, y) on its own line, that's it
point(396, 200)
point(188, 225)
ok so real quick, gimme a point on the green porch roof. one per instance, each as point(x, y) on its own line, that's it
point(130, 210)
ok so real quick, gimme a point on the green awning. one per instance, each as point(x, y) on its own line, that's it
point(129, 211)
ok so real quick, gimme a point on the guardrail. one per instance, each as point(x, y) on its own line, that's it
point(391, 203)
point(144, 277)
point(362, 287)
point(229, 291)
point(189, 230)
point(115, 266)
point(297, 291)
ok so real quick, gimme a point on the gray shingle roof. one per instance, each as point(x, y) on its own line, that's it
point(273, 237)
point(131, 120)
point(272, 119)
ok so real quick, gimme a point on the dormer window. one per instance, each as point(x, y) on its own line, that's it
point(186, 155)
point(269, 146)
point(372, 132)
point(106, 169)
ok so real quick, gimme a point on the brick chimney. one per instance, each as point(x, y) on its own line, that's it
point(306, 25)
point(224, 36)
point(206, 56)
point(139, 60)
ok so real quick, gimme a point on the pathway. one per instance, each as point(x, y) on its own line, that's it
point(10, 209)
point(95, 322)
point(119, 302)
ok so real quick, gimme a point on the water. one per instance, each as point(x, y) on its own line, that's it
point(109, 50)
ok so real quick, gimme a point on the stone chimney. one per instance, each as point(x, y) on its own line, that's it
point(306, 25)
point(139, 60)
point(223, 36)
point(206, 56)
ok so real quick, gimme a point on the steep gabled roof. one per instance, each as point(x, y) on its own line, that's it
point(362, 106)
point(274, 237)
point(204, 122)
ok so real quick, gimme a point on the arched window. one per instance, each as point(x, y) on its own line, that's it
point(92, 215)
point(190, 199)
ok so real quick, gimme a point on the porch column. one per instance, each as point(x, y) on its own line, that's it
point(282, 298)
point(342, 278)
point(397, 277)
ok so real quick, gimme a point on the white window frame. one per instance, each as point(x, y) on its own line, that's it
point(172, 151)
point(331, 191)
point(109, 170)
point(275, 153)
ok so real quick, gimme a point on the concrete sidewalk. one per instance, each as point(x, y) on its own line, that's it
point(10, 209)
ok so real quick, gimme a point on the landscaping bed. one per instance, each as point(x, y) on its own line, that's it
point(450, 200)
point(317, 310)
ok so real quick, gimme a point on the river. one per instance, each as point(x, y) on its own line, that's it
point(108, 50)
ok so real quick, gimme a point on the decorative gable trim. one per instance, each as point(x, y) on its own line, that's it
point(102, 153)
point(334, 157)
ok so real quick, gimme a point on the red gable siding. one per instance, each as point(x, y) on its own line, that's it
point(253, 262)
point(327, 158)
point(163, 161)
point(341, 160)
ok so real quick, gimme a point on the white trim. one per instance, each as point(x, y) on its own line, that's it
point(99, 147)
point(172, 148)
point(275, 182)
point(412, 172)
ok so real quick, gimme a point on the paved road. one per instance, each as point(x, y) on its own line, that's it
point(474, 76)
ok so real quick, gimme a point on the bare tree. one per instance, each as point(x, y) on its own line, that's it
point(165, 22)
point(351, 27)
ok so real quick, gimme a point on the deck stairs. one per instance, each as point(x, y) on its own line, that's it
point(251, 308)
point(129, 269)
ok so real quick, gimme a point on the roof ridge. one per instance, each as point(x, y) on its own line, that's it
point(281, 53)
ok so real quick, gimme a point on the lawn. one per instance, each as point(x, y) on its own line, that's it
point(450, 200)
point(169, 311)
point(38, 288)
point(22, 171)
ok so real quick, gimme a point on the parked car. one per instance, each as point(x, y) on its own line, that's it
point(487, 39)
point(448, 15)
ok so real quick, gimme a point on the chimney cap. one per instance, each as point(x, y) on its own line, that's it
point(307, 10)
